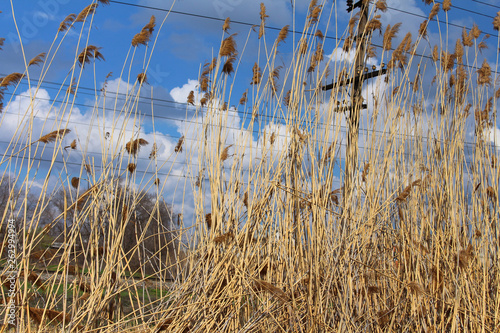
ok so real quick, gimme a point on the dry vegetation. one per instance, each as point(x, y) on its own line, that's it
point(413, 248)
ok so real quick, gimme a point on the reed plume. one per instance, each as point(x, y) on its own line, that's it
point(228, 67)
point(484, 74)
point(11, 79)
point(263, 16)
point(228, 47)
point(434, 11)
point(37, 60)
point(496, 22)
point(52, 136)
point(390, 33)
point(381, 5)
point(256, 74)
point(225, 26)
point(131, 167)
point(142, 78)
point(66, 23)
point(243, 98)
point(88, 53)
point(133, 146)
point(178, 146)
point(282, 34)
point(190, 98)
point(446, 5)
point(75, 181)
point(89, 10)
point(143, 37)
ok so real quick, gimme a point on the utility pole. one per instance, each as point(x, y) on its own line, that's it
point(357, 104)
point(354, 110)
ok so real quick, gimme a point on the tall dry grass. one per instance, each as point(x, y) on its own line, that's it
point(412, 248)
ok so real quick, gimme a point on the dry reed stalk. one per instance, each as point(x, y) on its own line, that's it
point(143, 37)
point(225, 26)
point(37, 60)
point(178, 146)
point(11, 79)
point(88, 53)
point(52, 136)
point(89, 10)
point(133, 146)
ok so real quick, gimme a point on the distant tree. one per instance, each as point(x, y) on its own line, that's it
point(142, 220)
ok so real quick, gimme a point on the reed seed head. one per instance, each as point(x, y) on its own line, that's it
point(37, 60)
point(52, 136)
point(133, 146)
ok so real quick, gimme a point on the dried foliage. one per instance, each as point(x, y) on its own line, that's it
point(88, 53)
point(52, 136)
point(37, 60)
point(484, 74)
point(143, 37)
point(282, 34)
point(225, 26)
point(178, 146)
point(133, 146)
point(11, 79)
point(190, 98)
point(89, 10)
point(67, 23)
point(389, 34)
point(228, 47)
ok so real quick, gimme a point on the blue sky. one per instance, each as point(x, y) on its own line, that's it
point(189, 37)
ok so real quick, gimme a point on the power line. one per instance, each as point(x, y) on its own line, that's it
point(292, 31)
point(487, 4)
point(449, 23)
point(280, 121)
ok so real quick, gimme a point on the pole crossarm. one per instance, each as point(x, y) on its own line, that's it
point(356, 79)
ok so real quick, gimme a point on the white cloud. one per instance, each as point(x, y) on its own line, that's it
point(180, 94)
